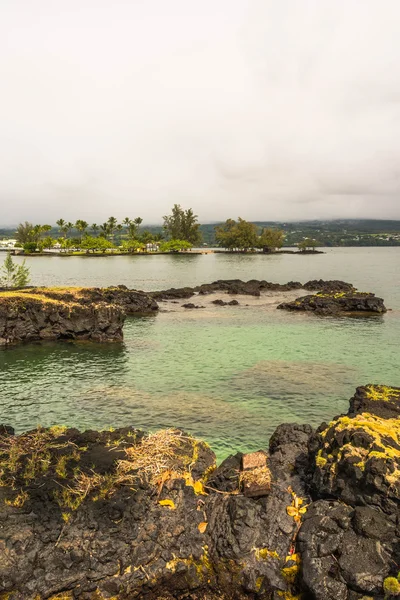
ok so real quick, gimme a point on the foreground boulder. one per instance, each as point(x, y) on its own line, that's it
point(120, 514)
point(69, 313)
point(349, 541)
point(336, 303)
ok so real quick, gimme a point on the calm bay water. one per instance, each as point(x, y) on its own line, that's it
point(229, 375)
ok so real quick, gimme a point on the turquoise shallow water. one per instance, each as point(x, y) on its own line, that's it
point(229, 375)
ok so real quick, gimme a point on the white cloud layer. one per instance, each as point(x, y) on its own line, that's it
point(257, 108)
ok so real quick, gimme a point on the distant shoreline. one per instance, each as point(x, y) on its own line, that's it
point(137, 254)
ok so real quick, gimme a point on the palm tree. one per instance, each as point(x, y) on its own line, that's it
point(138, 221)
point(61, 223)
point(105, 230)
point(112, 224)
point(68, 227)
point(94, 228)
point(81, 226)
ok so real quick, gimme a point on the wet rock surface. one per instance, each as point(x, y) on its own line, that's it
point(72, 313)
point(120, 514)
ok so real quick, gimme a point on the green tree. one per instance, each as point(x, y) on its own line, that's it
point(182, 225)
point(133, 246)
point(81, 226)
point(225, 235)
point(29, 247)
point(68, 227)
point(66, 244)
point(146, 237)
point(94, 229)
point(104, 230)
point(307, 244)
point(131, 228)
point(96, 244)
point(62, 225)
point(25, 233)
point(138, 221)
point(240, 234)
point(12, 275)
point(48, 242)
point(112, 225)
point(175, 246)
point(271, 239)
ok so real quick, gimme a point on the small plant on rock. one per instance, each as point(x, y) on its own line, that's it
point(12, 275)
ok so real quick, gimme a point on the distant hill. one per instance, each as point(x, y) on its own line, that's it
point(338, 232)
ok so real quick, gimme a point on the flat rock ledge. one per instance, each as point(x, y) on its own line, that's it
point(69, 313)
point(122, 514)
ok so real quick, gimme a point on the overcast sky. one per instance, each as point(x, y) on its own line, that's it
point(267, 109)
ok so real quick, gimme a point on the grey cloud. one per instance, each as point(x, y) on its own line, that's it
point(270, 110)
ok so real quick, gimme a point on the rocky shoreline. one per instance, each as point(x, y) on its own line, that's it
point(98, 314)
point(121, 514)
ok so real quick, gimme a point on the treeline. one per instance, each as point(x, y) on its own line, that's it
point(242, 235)
point(180, 232)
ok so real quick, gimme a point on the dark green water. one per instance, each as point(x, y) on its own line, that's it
point(229, 375)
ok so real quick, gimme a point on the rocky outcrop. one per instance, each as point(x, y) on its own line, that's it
point(253, 287)
point(131, 301)
point(331, 286)
point(349, 541)
point(25, 317)
point(123, 515)
point(69, 313)
point(336, 303)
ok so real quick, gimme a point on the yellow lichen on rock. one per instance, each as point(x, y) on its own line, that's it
point(391, 586)
point(168, 503)
point(264, 553)
point(382, 392)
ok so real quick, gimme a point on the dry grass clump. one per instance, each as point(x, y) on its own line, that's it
point(260, 476)
point(158, 453)
point(24, 457)
point(157, 457)
point(95, 485)
point(21, 295)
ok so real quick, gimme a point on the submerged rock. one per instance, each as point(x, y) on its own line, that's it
point(120, 514)
point(335, 303)
point(191, 305)
point(221, 302)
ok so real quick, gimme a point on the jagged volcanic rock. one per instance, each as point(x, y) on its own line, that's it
point(337, 303)
point(69, 313)
point(131, 301)
point(28, 317)
point(349, 541)
point(329, 286)
point(123, 515)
